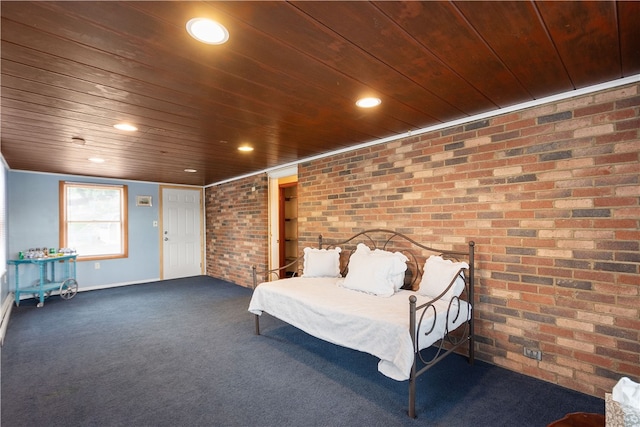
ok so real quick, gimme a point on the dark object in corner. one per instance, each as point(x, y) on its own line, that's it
point(580, 419)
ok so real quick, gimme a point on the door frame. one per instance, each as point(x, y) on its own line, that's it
point(203, 237)
point(283, 185)
point(277, 177)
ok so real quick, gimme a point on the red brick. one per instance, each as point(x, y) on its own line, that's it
point(617, 158)
point(604, 362)
point(629, 369)
point(633, 324)
point(628, 234)
point(626, 135)
point(614, 116)
point(522, 305)
point(556, 349)
point(593, 109)
point(556, 331)
point(520, 124)
point(505, 118)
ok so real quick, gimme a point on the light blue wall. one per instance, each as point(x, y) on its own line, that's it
point(4, 283)
point(33, 217)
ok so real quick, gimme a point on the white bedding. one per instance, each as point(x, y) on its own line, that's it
point(373, 324)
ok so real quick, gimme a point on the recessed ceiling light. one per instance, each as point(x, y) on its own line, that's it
point(96, 160)
point(189, 170)
point(207, 31)
point(126, 127)
point(245, 148)
point(368, 102)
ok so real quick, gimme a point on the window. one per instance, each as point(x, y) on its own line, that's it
point(93, 220)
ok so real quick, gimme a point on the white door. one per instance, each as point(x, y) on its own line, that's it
point(181, 232)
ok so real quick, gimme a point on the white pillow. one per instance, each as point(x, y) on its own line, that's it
point(396, 276)
point(321, 262)
point(438, 273)
point(376, 272)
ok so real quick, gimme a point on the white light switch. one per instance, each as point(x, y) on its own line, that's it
point(155, 223)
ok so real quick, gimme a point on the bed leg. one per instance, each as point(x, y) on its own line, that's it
point(416, 352)
point(257, 321)
point(472, 340)
point(412, 397)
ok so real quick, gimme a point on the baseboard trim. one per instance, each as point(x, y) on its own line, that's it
point(98, 287)
point(116, 285)
point(7, 306)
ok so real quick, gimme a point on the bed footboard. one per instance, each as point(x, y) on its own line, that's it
point(449, 343)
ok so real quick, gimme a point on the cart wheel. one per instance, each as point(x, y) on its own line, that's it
point(40, 305)
point(68, 289)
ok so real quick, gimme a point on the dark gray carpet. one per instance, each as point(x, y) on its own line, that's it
point(183, 353)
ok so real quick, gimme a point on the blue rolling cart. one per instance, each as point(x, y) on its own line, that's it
point(67, 287)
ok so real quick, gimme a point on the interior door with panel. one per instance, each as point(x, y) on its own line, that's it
point(182, 248)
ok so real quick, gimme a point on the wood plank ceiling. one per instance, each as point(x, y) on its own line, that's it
point(285, 82)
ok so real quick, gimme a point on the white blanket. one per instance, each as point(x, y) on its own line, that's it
point(373, 324)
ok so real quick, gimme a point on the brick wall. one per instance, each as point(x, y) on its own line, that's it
point(550, 195)
point(236, 228)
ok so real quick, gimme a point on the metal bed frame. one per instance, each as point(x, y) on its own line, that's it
point(394, 241)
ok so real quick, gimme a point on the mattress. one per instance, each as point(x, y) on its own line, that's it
point(357, 320)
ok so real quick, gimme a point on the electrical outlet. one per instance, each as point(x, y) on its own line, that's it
point(96, 266)
point(532, 353)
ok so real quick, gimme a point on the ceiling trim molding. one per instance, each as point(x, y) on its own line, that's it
point(91, 178)
point(517, 107)
point(282, 172)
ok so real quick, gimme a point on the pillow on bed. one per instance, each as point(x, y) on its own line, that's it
point(321, 262)
point(438, 273)
point(376, 272)
point(397, 275)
